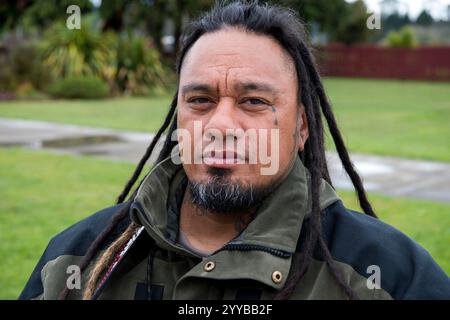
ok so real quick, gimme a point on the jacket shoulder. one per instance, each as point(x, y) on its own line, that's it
point(407, 270)
point(75, 241)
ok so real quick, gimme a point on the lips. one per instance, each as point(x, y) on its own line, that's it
point(223, 157)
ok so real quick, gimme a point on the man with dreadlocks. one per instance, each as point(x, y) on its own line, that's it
point(220, 228)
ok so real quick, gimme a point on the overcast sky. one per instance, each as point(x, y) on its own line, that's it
point(437, 8)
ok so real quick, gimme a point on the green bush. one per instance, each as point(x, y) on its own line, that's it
point(84, 52)
point(128, 63)
point(21, 69)
point(403, 38)
point(79, 87)
point(138, 66)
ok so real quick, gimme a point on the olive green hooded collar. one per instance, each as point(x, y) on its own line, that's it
point(277, 223)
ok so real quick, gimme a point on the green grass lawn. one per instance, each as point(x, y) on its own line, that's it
point(135, 114)
point(42, 194)
point(399, 118)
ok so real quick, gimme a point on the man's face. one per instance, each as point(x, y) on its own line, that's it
point(235, 81)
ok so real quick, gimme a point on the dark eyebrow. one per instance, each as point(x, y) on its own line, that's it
point(202, 87)
point(255, 86)
point(239, 86)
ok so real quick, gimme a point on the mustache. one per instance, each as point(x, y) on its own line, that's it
point(219, 173)
point(224, 154)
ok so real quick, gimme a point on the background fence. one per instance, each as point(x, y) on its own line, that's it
point(368, 61)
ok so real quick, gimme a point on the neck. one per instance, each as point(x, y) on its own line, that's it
point(210, 231)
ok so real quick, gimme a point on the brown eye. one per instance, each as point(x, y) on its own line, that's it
point(254, 101)
point(199, 100)
point(200, 103)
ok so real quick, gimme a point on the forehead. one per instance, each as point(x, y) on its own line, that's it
point(240, 53)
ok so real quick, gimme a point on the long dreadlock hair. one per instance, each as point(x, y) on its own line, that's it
point(283, 25)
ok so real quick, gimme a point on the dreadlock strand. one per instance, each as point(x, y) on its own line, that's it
point(312, 231)
point(148, 152)
point(351, 294)
point(168, 143)
point(99, 240)
point(105, 259)
point(345, 158)
point(96, 244)
point(335, 133)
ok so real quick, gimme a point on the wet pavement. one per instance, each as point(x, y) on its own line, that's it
point(384, 175)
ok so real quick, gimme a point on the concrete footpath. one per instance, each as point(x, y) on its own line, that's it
point(384, 175)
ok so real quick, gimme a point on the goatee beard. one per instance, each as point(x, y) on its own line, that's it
point(222, 195)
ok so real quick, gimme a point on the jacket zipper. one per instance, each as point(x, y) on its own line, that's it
point(250, 247)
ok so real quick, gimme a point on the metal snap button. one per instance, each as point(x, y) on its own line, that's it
point(277, 277)
point(209, 266)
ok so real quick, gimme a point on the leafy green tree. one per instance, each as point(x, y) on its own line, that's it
point(395, 21)
point(340, 20)
point(11, 12)
point(353, 28)
point(157, 13)
point(37, 14)
point(113, 12)
point(424, 19)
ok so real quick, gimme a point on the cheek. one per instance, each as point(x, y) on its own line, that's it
point(288, 127)
point(189, 137)
point(288, 141)
point(185, 133)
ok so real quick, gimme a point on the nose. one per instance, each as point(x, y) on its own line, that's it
point(224, 120)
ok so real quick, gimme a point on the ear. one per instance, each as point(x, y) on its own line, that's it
point(302, 127)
